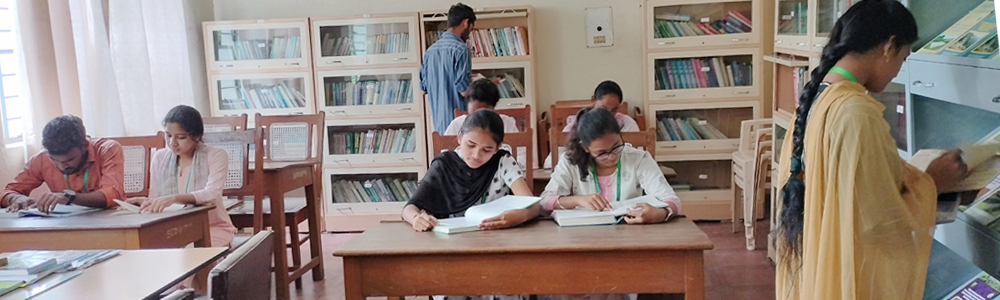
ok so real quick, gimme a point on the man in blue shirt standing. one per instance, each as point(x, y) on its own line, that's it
point(447, 70)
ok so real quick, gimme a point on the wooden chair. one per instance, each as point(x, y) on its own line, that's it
point(644, 140)
point(521, 115)
point(138, 153)
point(519, 143)
point(744, 162)
point(224, 124)
point(245, 272)
point(640, 120)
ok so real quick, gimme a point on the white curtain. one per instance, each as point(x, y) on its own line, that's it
point(118, 64)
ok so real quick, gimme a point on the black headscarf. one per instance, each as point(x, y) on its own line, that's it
point(451, 186)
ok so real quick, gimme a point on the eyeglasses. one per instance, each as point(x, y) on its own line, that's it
point(613, 152)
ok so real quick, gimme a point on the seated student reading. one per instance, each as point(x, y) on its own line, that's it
point(77, 169)
point(189, 172)
point(483, 94)
point(479, 171)
point(607, 95)
point(599, 168)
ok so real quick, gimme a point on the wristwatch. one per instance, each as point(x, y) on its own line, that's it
point(71, 194)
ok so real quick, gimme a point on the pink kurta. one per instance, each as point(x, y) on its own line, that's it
point(221, 226)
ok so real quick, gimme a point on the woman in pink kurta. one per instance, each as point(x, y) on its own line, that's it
point(189, 172)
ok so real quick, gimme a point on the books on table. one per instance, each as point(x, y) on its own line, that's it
point(59, 211)
point(476, 214)
point(982, 160)
point(32, 266)
point(586, 217)
point(982, 286)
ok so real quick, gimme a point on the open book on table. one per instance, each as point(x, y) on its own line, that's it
point(132, 208)
point(585, 217)
point(476, 214)
point(60, 211)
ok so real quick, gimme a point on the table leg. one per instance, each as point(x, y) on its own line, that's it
point(314, 218)
point(277, 198)
point(200, 280)
point(694, 275)
point(352, 279)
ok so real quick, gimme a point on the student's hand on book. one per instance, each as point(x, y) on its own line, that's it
point(507, 219)
point(424, 222)
point(156, 205)
point(20, 202)
point(49, 201)
point(136, 201)
point(947, 170)
point(594, 202)
point(643, 213)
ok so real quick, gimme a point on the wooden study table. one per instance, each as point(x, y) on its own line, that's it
point(136, 274)
point(108, 229)
point(278, 179)
point(536, 258)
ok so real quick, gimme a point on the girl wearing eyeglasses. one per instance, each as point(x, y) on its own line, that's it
point(599, 168)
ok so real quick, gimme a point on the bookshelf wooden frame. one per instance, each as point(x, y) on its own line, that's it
point(393, 59)
point(696, 150)
point(301, 63)
point(698, 9)
point(370, 111)
point(307, 92)
point(751, 91)
point(353, 217)
point(782, 87)
point(366, 161)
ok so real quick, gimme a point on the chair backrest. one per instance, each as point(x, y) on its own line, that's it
point(640, 119)
point(559, 114)
point(227, 123)
point(138, 152)
point(543, 135)
point(239, 181)
point(520, 146)
point(246, 272)
point(748, 136)
point(521, 115)
point(294, 138)
point(643, 140)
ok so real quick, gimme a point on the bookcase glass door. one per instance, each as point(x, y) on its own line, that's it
point(371, 188)
point(700, 133)
point(510, 81)
point(704, 77)
point(369, 92)
point(264, 93)
point(369, 143)
point(258, 46)
point(894, 100)
point(695, 176)
point(674, 24)
point(370, 42)
point(496, 34)
point(793, 17)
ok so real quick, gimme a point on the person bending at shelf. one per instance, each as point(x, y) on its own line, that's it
point(447, 69)
point(189, 172)
point(479, 171)
point(483, 94)
point(607, 95)
point(856, 219)
point(77, 169)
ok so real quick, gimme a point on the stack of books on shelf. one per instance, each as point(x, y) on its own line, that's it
point(693, 73)
point(27, 267)
point(509, 86)
point(800, 76)
point(374, 44)
point(686, 129)
point(279, 47)
point(257, 96)
point(375, 141)
point(975, 35)
point(368, 92)
point(793, 21)
point(680, 25)
point(492, 42)
point(375, 190)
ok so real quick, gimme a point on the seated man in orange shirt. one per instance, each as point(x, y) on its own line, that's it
point(78, 170)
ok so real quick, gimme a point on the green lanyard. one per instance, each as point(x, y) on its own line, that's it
point(86, 180)
point(845, 73)
point(618, 196)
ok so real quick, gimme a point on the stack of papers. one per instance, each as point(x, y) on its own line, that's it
point(585, 217)
point(476, 214)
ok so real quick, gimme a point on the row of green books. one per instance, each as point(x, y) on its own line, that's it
point(368, 92)
point(276, 48)
point(686, 129)
point(257, 96)
point(376, 141)
point(374, 190)
point(693, 73)
point(366, 45)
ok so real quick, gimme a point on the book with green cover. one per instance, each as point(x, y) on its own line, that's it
point(973, 38)
point(963, 25)
point(986, 49)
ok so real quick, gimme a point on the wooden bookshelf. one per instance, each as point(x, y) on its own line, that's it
point(377, 142)
point(344, 214)
point(703, 81)
point(369, 93)
point(366, 40)
point(269, 93)
point(257, 45)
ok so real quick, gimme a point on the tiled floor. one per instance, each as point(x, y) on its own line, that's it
point(731, 272)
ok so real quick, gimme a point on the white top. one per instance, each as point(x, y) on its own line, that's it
point(509, 124)
point(508, 172)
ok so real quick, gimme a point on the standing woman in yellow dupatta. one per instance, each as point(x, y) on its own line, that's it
point(856, 219)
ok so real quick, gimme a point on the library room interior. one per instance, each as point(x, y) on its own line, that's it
point(499, 150)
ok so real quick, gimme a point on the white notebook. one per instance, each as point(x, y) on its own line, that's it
point(476, 214)
point(585, 217)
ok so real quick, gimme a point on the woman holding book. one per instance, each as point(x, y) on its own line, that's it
point(189, 172)
point(599, 168)
point(479, 171)
point(856, 219)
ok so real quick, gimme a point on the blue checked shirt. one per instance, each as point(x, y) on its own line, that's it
point(445, 74)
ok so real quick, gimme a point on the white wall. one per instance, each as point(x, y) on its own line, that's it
point(195, 13)
point(566, 69)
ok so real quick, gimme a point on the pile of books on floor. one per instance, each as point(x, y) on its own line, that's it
point(368, 92)
point(686, 129)
point(24, 268)
point(374, 190)
point(376, 141)
point(680, 25)
point(694, 73)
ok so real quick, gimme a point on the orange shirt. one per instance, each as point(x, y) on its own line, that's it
point(107, 173)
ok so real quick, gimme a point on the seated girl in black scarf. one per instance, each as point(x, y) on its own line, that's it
point(479, 171)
